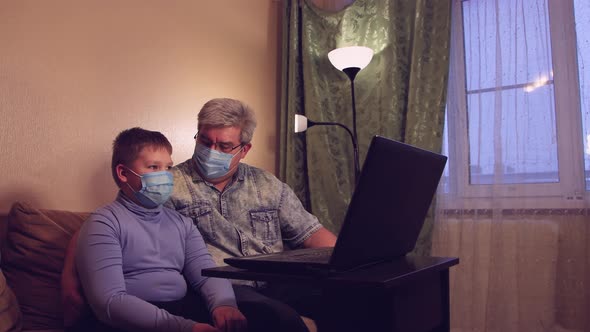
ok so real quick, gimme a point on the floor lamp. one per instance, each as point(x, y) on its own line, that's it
point(350, 60)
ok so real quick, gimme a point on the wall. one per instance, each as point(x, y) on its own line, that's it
point(75, 73)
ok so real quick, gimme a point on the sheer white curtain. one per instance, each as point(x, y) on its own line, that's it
point(513, 203)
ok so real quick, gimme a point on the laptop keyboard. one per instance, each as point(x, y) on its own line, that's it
point(314, 255)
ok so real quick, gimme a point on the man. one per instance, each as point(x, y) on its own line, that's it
point(239, 209)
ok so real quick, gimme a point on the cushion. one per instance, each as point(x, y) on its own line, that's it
point(10, 316)
point(32, 260)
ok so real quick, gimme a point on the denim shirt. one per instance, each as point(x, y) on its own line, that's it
point(255, 213)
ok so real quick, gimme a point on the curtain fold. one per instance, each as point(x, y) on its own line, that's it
point(400, 94)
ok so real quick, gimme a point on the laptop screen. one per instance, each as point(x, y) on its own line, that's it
point(390, 202)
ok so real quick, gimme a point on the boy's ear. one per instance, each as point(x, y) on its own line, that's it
point(122, 173)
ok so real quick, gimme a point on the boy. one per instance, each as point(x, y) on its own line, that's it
point(140, 262)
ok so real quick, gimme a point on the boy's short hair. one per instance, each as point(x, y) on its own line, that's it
point(130, 142)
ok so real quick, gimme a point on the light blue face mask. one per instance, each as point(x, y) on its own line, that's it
point(212, 164)
point(156, 188)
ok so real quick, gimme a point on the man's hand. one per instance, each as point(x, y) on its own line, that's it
point(229, 319)
point(320, 238)
point(200, 327)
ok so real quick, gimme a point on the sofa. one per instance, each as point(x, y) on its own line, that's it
point(33, 243)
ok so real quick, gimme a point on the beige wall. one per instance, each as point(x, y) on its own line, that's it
point(74, 73)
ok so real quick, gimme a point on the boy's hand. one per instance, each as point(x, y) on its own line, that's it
point(229, 319)
point(74, 306)
point(73, 302)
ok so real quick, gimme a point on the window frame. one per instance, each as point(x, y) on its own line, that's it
point(570, 190)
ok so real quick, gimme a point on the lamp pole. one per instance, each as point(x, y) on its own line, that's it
point(357, 170)
point(351, 73)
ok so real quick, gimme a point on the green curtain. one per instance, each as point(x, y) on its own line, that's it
point(400, 94)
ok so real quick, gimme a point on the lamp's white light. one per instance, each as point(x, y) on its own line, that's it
point(350, 56)
point(300, 123)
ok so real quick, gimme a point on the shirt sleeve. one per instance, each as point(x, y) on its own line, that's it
point(215, 291)
point(99, 264)
point(297, 225)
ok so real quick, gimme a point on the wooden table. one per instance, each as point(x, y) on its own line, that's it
point(410, 294)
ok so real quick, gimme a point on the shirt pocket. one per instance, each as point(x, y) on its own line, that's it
point(265, 225)
point(202, 215)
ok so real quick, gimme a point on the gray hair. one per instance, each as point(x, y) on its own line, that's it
point(226, 112)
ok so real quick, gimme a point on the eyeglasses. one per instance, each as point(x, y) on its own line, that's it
point(224, 147)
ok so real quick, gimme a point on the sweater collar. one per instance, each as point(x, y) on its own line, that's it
point(143, 212)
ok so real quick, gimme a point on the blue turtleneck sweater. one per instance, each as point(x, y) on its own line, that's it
point(128, 255)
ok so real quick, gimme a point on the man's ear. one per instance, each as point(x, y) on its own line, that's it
point(245, 150)
point(122, 173)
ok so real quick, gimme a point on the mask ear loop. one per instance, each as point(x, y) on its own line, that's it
point(232, 158)
point(130, 170)
point(130, 187)
point(240, 150)
point(139, 176)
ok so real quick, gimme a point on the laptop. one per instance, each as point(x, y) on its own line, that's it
point(384, 218)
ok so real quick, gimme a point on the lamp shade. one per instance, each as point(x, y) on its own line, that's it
point(300, 123)
point(350, 57)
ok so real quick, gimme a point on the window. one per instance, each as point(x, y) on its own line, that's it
point(518, 113)
point(582, 19)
